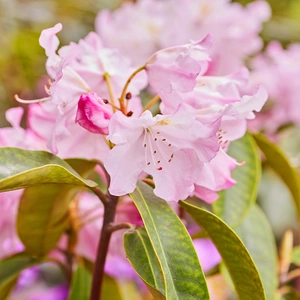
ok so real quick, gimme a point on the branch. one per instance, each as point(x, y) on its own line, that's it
point(109, 215)
point(100, 195)
point(113, 228)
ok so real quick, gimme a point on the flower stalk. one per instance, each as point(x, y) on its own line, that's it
point(124, 91)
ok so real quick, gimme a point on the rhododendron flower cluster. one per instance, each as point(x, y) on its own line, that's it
point(160, 104)
point(182, 149)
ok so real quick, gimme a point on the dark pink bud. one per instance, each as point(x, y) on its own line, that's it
point(93, 114)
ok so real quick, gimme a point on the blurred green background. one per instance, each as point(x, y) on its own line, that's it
point(22, 60)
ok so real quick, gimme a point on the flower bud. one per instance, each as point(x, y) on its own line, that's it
point(93, 114)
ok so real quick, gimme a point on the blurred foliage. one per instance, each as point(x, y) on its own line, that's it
point(285, 23)
point(22, 60)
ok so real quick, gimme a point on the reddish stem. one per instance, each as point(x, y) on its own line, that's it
point(98, 274)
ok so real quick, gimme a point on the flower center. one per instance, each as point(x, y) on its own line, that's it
point(158, 150)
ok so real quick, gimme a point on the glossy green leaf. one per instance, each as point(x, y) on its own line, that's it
point(10, 269)
point(281, 165)
point(236, 257)
point(234, 203)
point(141, 255)
point(23, 168)
point(82, 166)
point(173, 246)
point(43, 216)
point(81, 284)
point(43, 212)
point(295, 257)
point(257, 235)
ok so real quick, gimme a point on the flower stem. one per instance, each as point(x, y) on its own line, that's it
point(100, 194)
point(110, 90)
point(122, 98)
point(98, 274)
point(151, 102)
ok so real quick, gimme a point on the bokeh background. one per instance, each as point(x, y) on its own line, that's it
point(22, 60)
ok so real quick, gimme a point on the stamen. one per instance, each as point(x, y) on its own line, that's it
point(113, 106)
point(32, 101)
point(128, 96)
point(47, 89)
point(150, 145)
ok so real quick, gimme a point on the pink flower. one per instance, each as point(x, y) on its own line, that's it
point(79, 69)
point(277, 71)
point(16, 136)
point(9, 240)
point(175, 69)
point(171, 148)
point(92, 113)
point(62, 135)
point(41, 291)
point(215, 176)
point(155, 25)
point(223, 102)
point(228, 98)
point(50, 42)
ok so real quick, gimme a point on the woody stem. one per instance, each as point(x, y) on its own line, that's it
point(98, 273)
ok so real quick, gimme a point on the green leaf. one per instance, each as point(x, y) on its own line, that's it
point(23, 168)
point(111, 289)
point(234, 203)
point(10, 269)
point(43, 212)
point(141, 255)
point(173, 246)
point(295, 257)
point(281, 165)
point(236, 257)
point(82, 166)
point(43, 216)
point(81, 284)
point(257, 235)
